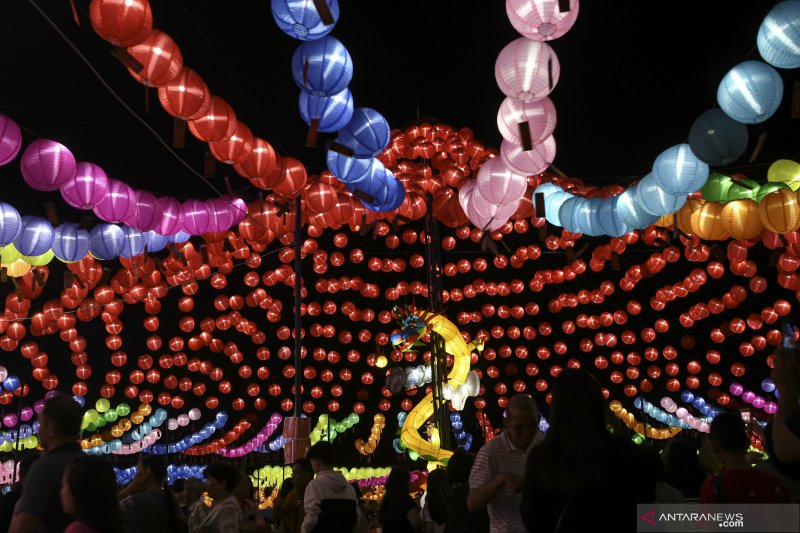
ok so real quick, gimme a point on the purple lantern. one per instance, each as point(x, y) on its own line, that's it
point(106, 241)
point(220, 214)
point(155, 242)
point(10, 140)
point(133, 242)
point(36, 236)
point(118, 204)
point(171, 217)
point(147, 215)
point(87, 187)
point(47, 165)
point(71, 243)
point(238, 209)
point(10, 224)
point(196, 216)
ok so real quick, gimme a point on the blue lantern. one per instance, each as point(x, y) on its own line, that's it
point(607, 217)
point(322, 67)
point(35, 237)
point(678, 171)
point(133, 243)
point(687, 396)
point(717, 139)
point(71, 243)
point(552, 206)
point(155, 242)
point(750, 92)
point(586, 217)
point(367, 133)
point(300, 19)
point(630, 213)
point(333, 112)
point(106, 241)
point(10, 224)
point(11, 383)
point(348, 169)
point(655, 200)
point(779, 35)
point(394, 196)
point(179, 237)
point(376, 185)
point(568, 213)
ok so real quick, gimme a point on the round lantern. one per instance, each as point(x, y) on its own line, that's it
point(655, 200)
point(18, 268)
point(218, 124)
point(146, 215)
point(529, 162)
point(10, 140)
point(155, 242)
point(785, 171)
point(750, 92)
point(10, 224)
point(348, 169)
point(542, 20)
point(46, 165)
point(741, 219)
point(630, 212)
point(186, 97)
point(237, 148)
point(367, 133)
point(118, 204)
point(539, 117)
point(121, 22)
point(611, 224)
point(87, 186)
point(132, 243)
point(262, 163)
point(71, 243)
point(485, 215)
point(717, 139)
point(498, 184)
point(160, 58)
point(779, 211)
point(779, 35)
point(301, 20)
point(678, 171)
point(35, 237)
point(526, 70)
point(322, 67)
point(106, 241)
point(333, 112)
point(706, 222)
point(195, 216)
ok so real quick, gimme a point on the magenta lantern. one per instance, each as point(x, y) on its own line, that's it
point(46, 165)
point(87, 187)
point(196, 216)
point(170, 210)
point(147, 215)
point(118, 204)
point(10, 139)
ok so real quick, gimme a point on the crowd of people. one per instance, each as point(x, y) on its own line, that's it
point(578, 476)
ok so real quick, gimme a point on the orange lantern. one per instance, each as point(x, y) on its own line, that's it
point(160, 57)
point(217, 125)
point(685, 213)
point(186, 97)
point(121, 22)
point(741, 219)
point(779, 211)
point(237, 148)
point(706, 222)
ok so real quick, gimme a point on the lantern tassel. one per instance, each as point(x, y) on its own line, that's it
point(324, 12)
point(179, 133)
point(75, 13)
point(312, 135)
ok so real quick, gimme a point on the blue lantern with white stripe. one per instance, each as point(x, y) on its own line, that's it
point(133, 243)
point(10, 224)
point(301, 20)
point(750, 92)
point(779, 35)
point(155, 242)
point(678, 171)
point(106, 241)
point(322, 67)
point(332, 112)
point(608, 219)
point(655, 200)
point(35, 237)
point(367, 133)
point(630, 213)
point(348, 169)
point(71, 243)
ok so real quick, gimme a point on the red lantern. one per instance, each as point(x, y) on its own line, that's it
point(121, 22)
point(218, 124)
point(186, 97)
point(160, 57)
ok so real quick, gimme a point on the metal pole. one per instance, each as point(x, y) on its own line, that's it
point(19, 436)
point(298, 279)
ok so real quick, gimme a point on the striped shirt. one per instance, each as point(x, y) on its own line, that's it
point(495, 457)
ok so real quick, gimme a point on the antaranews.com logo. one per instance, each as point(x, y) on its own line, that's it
point(741, 518)
point(679, 519)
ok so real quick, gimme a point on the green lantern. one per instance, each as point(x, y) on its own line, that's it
point(123, 409)
point(102, 405)
point(716, 188)
point(767, 188)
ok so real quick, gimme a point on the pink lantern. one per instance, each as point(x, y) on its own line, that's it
point(171, 218)
point(196, 216)
point(538, 117)
point(147, 215)
point(526, 70)
point(87, 187)
point(118, 204)
point(541, 20)
point(46, 165)
point(488, 216)
point(238, 208)
point(498, 184)
point(10, 139)
point(530, 162)
point(465, 194)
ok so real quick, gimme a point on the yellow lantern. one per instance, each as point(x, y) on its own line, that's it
point(18, 268)
point(785, 171)
point(779, 211)
point(741, 219)
point(9, 254)
point(39, 260)
point(664, 221)
point(707, 223)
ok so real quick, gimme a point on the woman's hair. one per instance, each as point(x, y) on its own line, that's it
point(459, 467)
point(570, 456)
point(286, 487)
point(92, 486)
point(225, 473)
point(399, 481)
point(435, 499)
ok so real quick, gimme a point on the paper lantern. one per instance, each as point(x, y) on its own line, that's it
point(121, 22)
point(552, 206)
point(750, 92)
point(488, 216)
point(218, 124)
point(322, 67)
point(778, 38)
point(195, 216)
point(10, 224)
point(35, 237)
point(630, 212)
point(348, 169)
point(498, 184)
point(741, 219)
point(17, 269)
point(319, 196)
point(106, 241)
point(655, 200)
point(716, 187)
point(146, 214)
point(171, 218)
point(685, 213)
point(528, 162)
point(301, 20)
point(237, 148)
point(785, 171)
point(220, 214)
point(9, 254)
point(706, 222)
point(542, 20)
point(86, 188)
point(132, 242)
point(526, 70)
point(262, 163)
point(293, 178)
point(717, 139)
point(10, 140)
point(332, 112)
point(46, 165)
point(568, 213)
point(70, 243)
point(186, 97)
point(155, 242)
point(39, 260)
point(160, 58)
point(375, 186)
point(539, 117)
point(118, 204)
point(367, 133)
point(678, 171)
point(779, 211)
point(609, 221)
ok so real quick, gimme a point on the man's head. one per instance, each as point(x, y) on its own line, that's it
point(728, 434)
point(59, 422)
point(522, 420)
point(302, 474)
point(192, 490)
point(321, 456)
point(152, 467)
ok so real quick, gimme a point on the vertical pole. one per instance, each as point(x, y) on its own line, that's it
point(298, 280)
point(19, 436)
